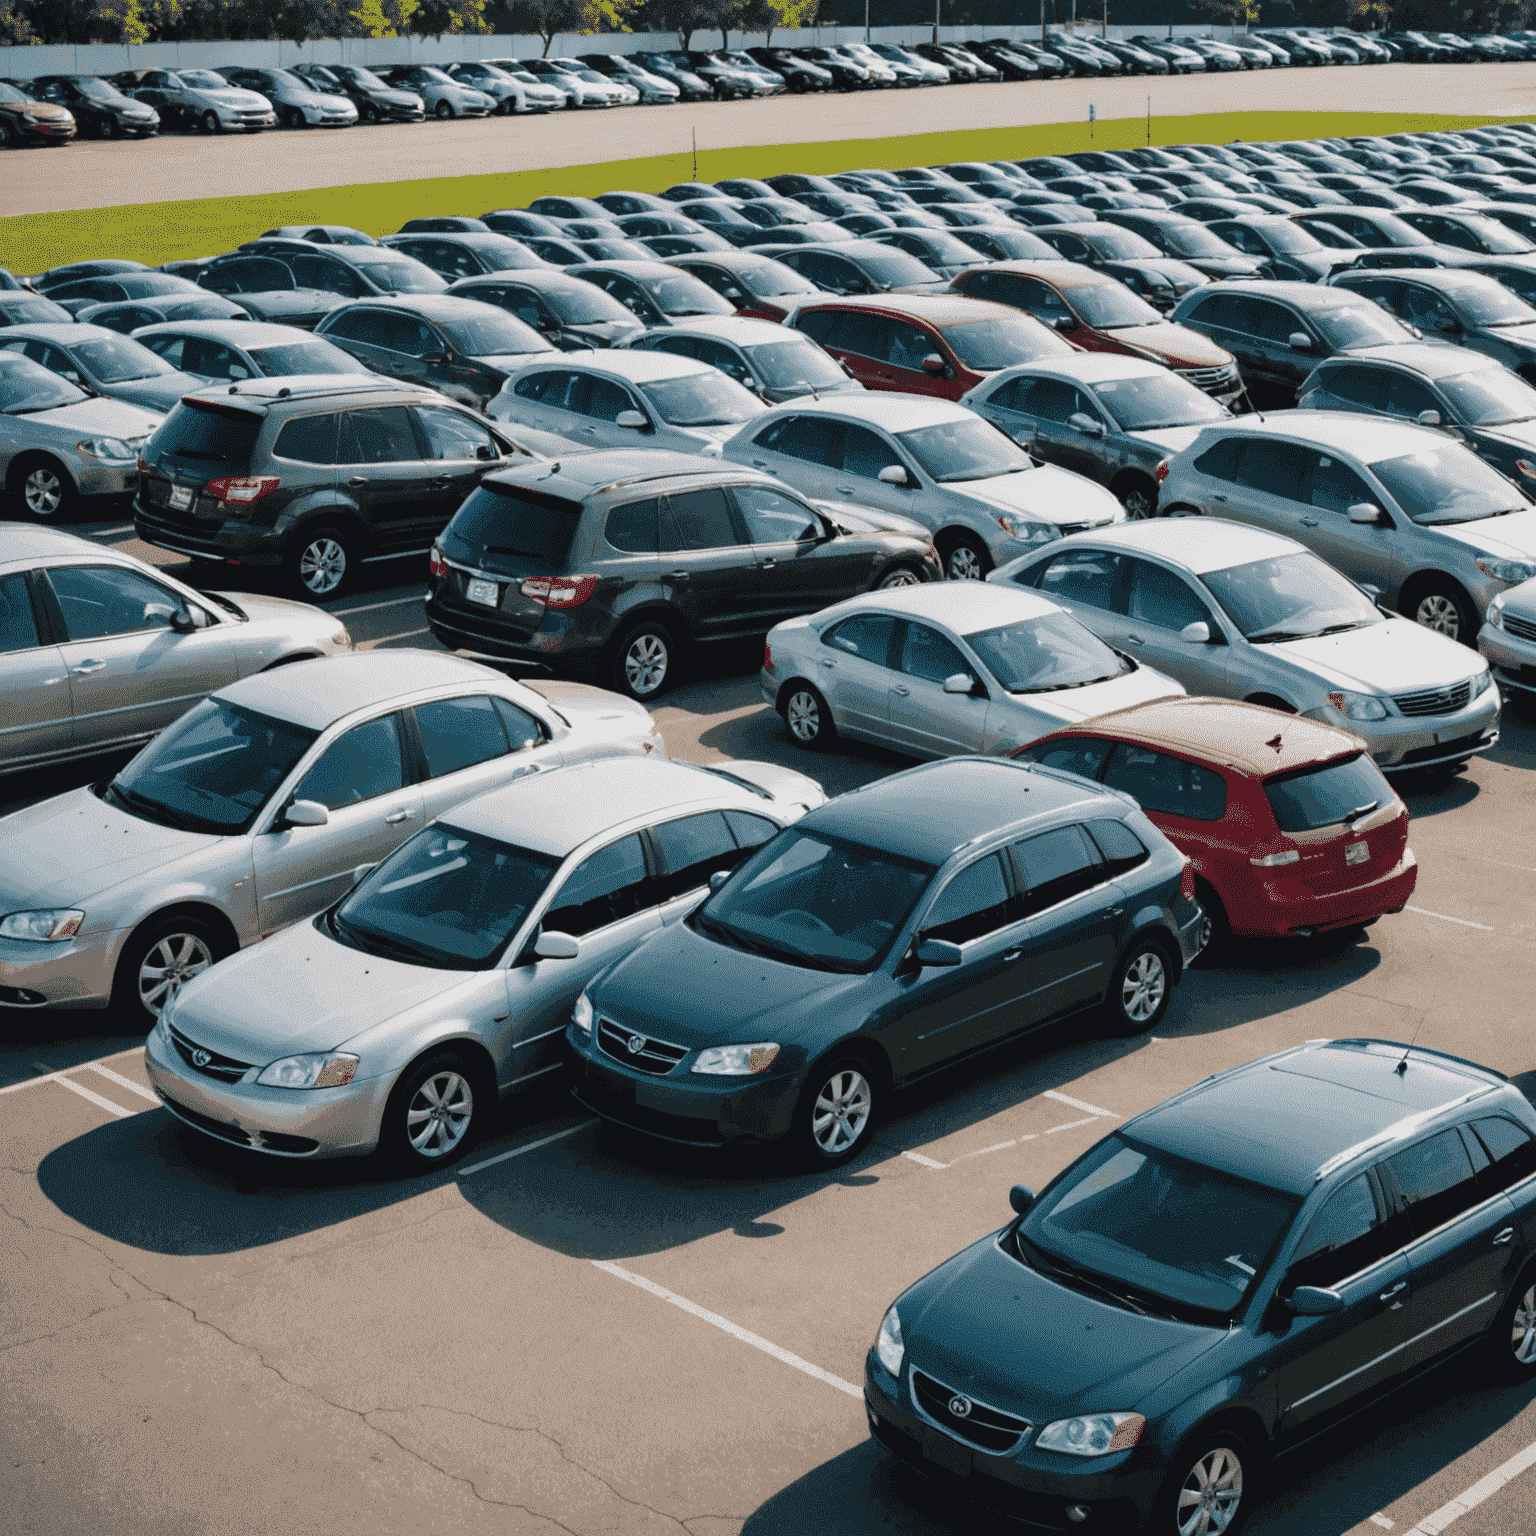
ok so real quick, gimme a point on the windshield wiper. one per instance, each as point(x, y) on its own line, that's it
point(717, 930)
point(1268, 636)
point(146, 809)
point(376, 944)
point(1059, 1269)
point(1339, 629)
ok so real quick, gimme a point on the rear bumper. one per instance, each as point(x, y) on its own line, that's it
point(1286, 909)
point(557, 642)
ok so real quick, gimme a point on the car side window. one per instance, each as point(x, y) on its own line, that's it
point(1274, 322)
point(607, 400)
point(364, 763)
point(1167, 784)
point(633, 527)
point(698, 520)
point(1050, 399)
point(606, 887)
point(1346, 1236)
point(1042, 301)
point(816, 439)
point(678, 346)
point(774, 517)
point(458, 733)
point(1365, 387)
point(1436, 1181)
point(18, 623)
point(727, 359)
point(1331, 485)
point(380, 434)
point(925, 653)
point(99, 601)
point(1159, 596)
point(905, 346)
point(452, 436)
point(1055, 866)
point(523, 731)
point(866, 635)
point(692, 849)
point(865, 453)
point(213, 360)
point(750, 831)
point(1273, 468)
point(859, 333)
point(818, 323)
point(1092, 577)
point(308, 439)
point(546, 386)
point(1510, 1149)
point(168, 349)
point(1119, 847)
point(327, 275)
point(976, 902)
point(1082, 755)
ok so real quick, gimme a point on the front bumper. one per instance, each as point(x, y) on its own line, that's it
point(282, 1122)
point(103, 477)
point(1512, 657)
point(1401, 744)
point(74, 974)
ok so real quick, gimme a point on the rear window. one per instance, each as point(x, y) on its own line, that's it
point(207, 434)
point(511, 529)
point(1324, 797)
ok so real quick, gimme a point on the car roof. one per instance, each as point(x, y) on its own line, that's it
point(932, 812)
point(1344, 431)
point(318, 693)
point(1310, 296)
point(1247, 737)
point(530, 277)
point(586, 472)
point(433, 306)
point(940, 309)
point(1445, 278)
point(730, 261)
point(239, 333)
point(1282, 1120)
point(636, 269)
point(1084, 367)
point(474, 239)
point(1199, 544)
point(621, 362)
point(741, 329)
point(894, 411)
point(967, 610)
point(308, 386)
point(27, 541)
point(59, 332)
point(1430, 359)
point(555, 813)
point(1064, 274)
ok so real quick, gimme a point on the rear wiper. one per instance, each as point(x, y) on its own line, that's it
point(1359, 813)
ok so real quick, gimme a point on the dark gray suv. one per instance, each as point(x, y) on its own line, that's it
point(609, 563)
point(312, 474)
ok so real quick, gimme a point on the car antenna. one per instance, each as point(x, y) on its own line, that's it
point(1402, 1067)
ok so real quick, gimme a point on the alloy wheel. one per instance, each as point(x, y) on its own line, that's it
point(901, 578)
point(964, 564)
point(1439, 613)
point(803, 717)
point(437, 1118)
point(645, 664)
point(169, 965)
point(1138, 503)
point(1212, 1494)
point(1523, 1335)
point(43, 491)
point(842, 1110)
point(1143, 985)
point(322, 566)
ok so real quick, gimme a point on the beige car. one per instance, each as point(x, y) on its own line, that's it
point(99, 651)
point(260, 806)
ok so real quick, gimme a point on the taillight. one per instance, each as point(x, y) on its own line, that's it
point(1161, 472)
point(437, 567)
point(560, 591)
point(1187, 882)
point(767, 657)
point(242, 490)
point(143, 467)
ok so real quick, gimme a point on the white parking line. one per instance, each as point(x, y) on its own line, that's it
point(95, 1098)
point(1088, 1109)
point(726, 1326)
point(376, 640)
point(531, 1146)
point(1072, 1125)
point(48, 1077)
point(927, 1162)
point(1432, 1525)
point(1425, 912)
point(124, 1082)
point(393, 602)
point(1382, 1521)
point(107, 533)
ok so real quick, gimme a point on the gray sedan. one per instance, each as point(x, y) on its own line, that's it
point(1243, 614)
point(773, 361)
point(256, 808)
point(1508, 638)
point(1111, 418)
point(59, 445)
point(213, 351)
point(447, 976)
point(103, 362)
point(98, 651)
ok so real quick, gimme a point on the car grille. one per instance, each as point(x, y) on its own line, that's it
point(1521, 629)
point(209, 1063)
point(980, 1426)
point(1210, 378)
point(1435, 701)
point(654, 1056)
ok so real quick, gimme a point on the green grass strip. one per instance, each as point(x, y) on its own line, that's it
point(157, 232)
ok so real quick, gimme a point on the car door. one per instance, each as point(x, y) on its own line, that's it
point(1352, 1247)
point(463, 451)
point(130, 672)
point(1462, 1247)
point(475, 743)
point(37, 720)
point(858, 339)
point(1089, 583)
point(854, 667)
point(364, 780)
point(1185, 800)
point(1362, 551)
point(686, 851)
point(325, 273)
point(1261, 482)
point(1159, 604)
point(210, 359)
point(1049, 406)
point(384, 467)
point(705, 563)
point(925, 720)
point(903, 346)
point(600, 402)
point(800, 566)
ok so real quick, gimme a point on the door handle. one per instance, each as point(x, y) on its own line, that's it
point(395, 817)
point(900, 692)
point(1114, 912)
point(1505, 1237)
point(357, 480)
point(1397, 1290)
point(441, 480)
point(680, 575)
point(827, 661)
point(87, 667)
point(845, 490)
point(1134, 640)
point(760, 463)
point(1218, 498)
point(1309, 522)
point(768, 562)
point(1011, 955)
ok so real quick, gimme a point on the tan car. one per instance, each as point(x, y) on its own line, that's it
point(25, 121)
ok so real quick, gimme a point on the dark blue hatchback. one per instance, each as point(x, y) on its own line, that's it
point(925, 918)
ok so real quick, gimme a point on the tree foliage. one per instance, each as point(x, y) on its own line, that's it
point(580, 18)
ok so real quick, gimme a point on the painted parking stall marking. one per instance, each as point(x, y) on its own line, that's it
point(531, 1146)
point(1445, 918)
point(1448, 1514)
point(1091, 1109)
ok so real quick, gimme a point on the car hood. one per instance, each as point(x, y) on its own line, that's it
point(1073, 704)
point(870, 519)
point(47, 111)
point(159, 392)
point(1396, 656)
point(1050, 494)
point(595, 711)
point(232, 98)
point(1173, 439)
point(276, 302)
point(63, 851)
point(603, 330)
point(1512, 534)
point(1171, 343)
point(1521, 336)
point(107, 418)
point(785, 786)
point(1227, 266)
point(1520, 434)
point(986, 1325)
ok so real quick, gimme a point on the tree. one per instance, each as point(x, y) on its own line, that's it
point(15, 28)
point(767, 16)
point(549, 18)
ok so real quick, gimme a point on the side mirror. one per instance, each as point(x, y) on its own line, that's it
point(1448, 325)
point(632, 419)
point(1089, 426)
point(1300, 341)
point(1198, 633)
point(1365, 512)
point(1371, 591)
point(161, 612)
point(1021, 1197)
point(305, 813)
point(1313, 1301)
point(556, 946)
point(361, 871)
point(436, 359)
point(1429, 418)
point(718, 879)
point(937, 952)
point(1064, 323)
point(961, 682)
point(933, 366)
point(893, 474)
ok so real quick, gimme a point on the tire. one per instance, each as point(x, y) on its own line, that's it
point(106, 128)
point(1138, 495)
point(644, 660)
point(807, 717)
point(1218, 929)
point(159, 958)
point(46, 490)
point(443, 110)
point(437, 1111)
point(836, 1115)
point(1212, 1465)
point(1271, 701)
point(1512, 1339)
point(370, 112)
point(6, 134)
point(321, 562)
point(1140, 990)
point(966, 560)
point(1438, 603)
point(210, 123)
point(899, 576)
point(292, 118)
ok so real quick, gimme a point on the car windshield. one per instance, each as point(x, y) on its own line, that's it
point(211, 771)
point(1290, 597)
point(1110, 307)
point(1119, 244)
point(1043, 654)
point(97, 90)
point(394, 273)
point(10, 93)
point(686, 295)
point(895, 269)
point(772, 277)
point(1195, 240)
point(1172, 1231)
point(492, 334)
point(1358, 325)
point(26, 386)
point(445, 898)
point(1448, 485)
point(1150, 401)
point(1490, 303)
point(310, 356)
point(701, 400)
point(1490, 397)
point(202, 80)
point(816, 902)
point(1495, 237)
point(1311, 798)
point(785, 364)
point(18, 310)
point(584, 304)
point(990, 344)
point(1290, 238)
point(966, 448)
point(366, 78)
point(119, 360)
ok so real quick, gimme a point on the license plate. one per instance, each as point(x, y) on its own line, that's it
point(487, 592)
point(1357, 853)
point(949, 1454)
point(180, 498)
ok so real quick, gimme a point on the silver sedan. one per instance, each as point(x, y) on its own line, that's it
point(102, 361)
point(99, 651)
point(1508, 637)
point(1244, 614)
point(448, 975)
point(942, 670)
point(256, 809)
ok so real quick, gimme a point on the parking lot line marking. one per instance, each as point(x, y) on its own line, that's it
point(532, 1146)
point(999, 1147)
point(927, 1162)
point(1432, 1525)
point(405, 634)
point(1072, 1125)
point(1425, 912)
point(95, 1098)
point(48, 1077)
point(726, 1326)
point(1382, 1521)
point(106, 533)
point(124, 1082)
point(1090, 1109)
point(393, 602)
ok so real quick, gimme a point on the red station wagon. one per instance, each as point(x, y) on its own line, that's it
point(1290, 826)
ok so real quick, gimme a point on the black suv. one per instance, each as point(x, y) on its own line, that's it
point(312, 474)
point(607, 564)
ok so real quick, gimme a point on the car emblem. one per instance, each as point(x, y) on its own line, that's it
point(201, 1058)
point(960, 1407)
point(636, 1044)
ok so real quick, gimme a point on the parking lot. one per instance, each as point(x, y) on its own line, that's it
point(572, 1330)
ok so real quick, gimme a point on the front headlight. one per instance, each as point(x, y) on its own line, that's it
point(735, 1060)
point(1359, 706)
point(581, 1015)
point(1506, 570)
point(52, 925)
point(113, 448)
point(1495, 613)
point(322, 1069)
point(1025, 530)
point(1094, 1434)
point(889, 1348)
point(1482, 683)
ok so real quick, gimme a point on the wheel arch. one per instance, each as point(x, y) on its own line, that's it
point(1271, 701)
point(16, 471)
point(203, 910)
